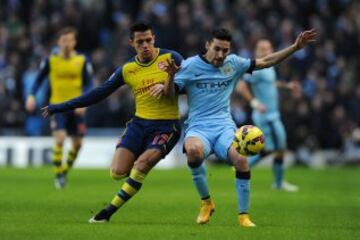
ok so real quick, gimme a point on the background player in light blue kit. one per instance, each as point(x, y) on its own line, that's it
point(209, 79)
point(266, 115)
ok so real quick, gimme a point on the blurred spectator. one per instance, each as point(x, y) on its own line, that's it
point(324, 116)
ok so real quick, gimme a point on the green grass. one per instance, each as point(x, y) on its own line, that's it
point(327, 206)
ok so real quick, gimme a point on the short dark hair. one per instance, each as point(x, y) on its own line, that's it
point(139, 27)
point(221, 34)
point(66, 30)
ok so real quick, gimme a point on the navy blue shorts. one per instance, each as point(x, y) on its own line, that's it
point(73, 124)
point(142, 134)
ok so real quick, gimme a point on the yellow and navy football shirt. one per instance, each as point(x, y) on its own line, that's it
point(68, 78)
point(140, 77)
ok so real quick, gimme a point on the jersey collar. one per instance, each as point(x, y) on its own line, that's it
point(146, 64)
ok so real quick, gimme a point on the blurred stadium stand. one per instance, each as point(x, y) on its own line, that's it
point(325, 116)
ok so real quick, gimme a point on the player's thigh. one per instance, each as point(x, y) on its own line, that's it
point(275, 137)
point(265, 127)
point(76, 142)
point(75, 125)
point(132, 138)
point(223, 142)
point(148, 159)
point(58, 127)
point(197, 146)
point(280, 134)
point(163, 135)
point(122, 162)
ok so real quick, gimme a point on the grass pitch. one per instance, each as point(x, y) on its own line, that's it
point(326, 207)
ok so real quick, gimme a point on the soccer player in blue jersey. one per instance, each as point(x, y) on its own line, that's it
point(209, 79)
point(263, 98)
point(155, 128)
point(69, 74)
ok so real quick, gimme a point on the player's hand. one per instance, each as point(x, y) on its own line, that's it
point(257, 105)
point(30, 104)
point(80, 111)
point(157, 90)
point(294, 87)
point(171, 68)
point(45, 111)
point(305, 37)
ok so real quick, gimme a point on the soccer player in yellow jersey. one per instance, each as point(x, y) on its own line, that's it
point(69, 76)
point(155, 128)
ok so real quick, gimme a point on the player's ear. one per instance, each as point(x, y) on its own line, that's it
point(131, 42)
point(207, 45)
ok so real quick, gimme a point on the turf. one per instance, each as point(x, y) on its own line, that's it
point(327, 206)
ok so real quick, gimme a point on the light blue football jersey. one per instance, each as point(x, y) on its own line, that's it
point(209, 88)
point(263, 86)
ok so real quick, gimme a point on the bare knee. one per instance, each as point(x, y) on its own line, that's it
point(144, 164)
point(194, 152)
point(77, 144)
point(118, 174)
point(59, 138)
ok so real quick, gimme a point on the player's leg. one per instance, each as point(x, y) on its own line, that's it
point(279, 146)
point(133, 183)
point(242, 183)
point(122, 163)
point(224, 150)
point(160, 145)
point(129, 146)
point(197, 148)
point(76, 144)
point(76, 127)
point(159, 141)
point(59, 134)
point(253, 160)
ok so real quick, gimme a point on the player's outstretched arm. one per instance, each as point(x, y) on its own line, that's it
point(302, 40)
point(92, 97)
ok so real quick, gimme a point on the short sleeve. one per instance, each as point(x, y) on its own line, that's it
point(182, 77)
point(243, 65)
point(177, 57)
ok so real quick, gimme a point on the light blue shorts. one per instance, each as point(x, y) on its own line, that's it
point(215, 138)
point(274, 132)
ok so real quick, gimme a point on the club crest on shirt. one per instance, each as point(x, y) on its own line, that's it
point(162, 66)
point(227, 69)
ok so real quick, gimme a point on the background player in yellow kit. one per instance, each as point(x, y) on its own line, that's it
point(69, 76)
point(155, 128)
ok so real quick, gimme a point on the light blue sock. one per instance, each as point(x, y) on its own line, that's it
point(253, 160)
point(200, 180)
point(278, 171)
point(243, 191)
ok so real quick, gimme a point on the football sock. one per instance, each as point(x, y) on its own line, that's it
point(72, 154)
point(243, 191)
point(57, 155)
point(200, 180)
point(128, 190)
point(278, 171)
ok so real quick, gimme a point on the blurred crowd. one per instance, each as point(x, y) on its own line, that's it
point(325, 115)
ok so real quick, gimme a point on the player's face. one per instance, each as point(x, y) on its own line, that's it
point(143, 43)
point(217, 50)
point(67, 42)
point(263, 48)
